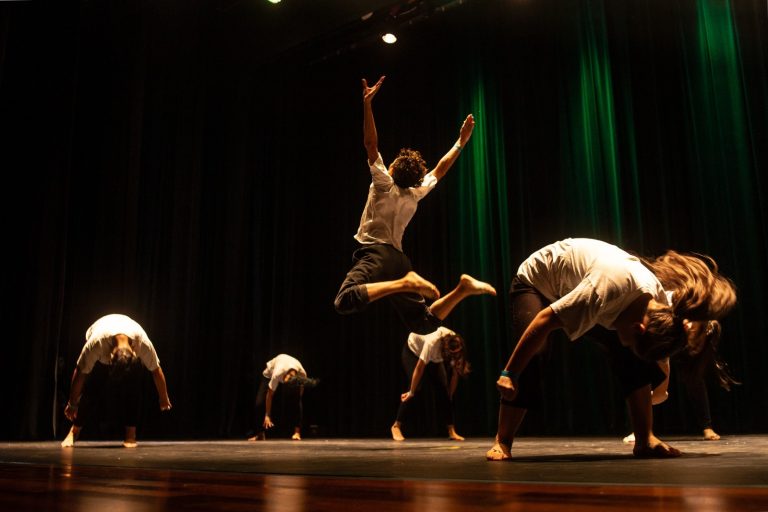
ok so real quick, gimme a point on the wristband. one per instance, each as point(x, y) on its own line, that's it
point(514, 376)
point(457, 146)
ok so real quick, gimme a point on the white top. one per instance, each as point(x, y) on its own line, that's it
point(428, 346)
point(389, 208)
point(279, 366)
point(589, 282)
point(99, 344)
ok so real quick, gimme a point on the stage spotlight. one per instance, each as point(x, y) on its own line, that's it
point(389, 38)
point(274, 1)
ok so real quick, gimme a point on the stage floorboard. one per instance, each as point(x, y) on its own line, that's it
point(419, 474)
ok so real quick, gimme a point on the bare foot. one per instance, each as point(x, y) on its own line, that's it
point(296, 436)
point(472, 286)
point(69, 441)
point(711, 435)
point(397, 435)
point(499, 451)
point(421, 286)
point(130, 437)
point(261, 436)
point(655, 449)
point(453, 436)
point(630, 439)
point(506, 387)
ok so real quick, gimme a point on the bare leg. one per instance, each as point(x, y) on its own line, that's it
point(69, 441)
point(647, 445)
point(411, 283)
point(510, 419)
point(130, 437)
point(711, 435)
point(453, 435)
point(467, 286)
point(397, 434)
point(296, 434)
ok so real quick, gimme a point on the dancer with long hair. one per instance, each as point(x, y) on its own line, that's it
point(586, 286)
point(441, 358)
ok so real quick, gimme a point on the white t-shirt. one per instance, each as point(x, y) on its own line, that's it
point(589, 282)
point(99, 345)
point(279, 366)
point(428, 346)
point(389, 208)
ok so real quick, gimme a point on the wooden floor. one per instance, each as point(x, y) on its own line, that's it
point(374, 475)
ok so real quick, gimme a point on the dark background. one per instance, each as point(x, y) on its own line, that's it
point(198, 165)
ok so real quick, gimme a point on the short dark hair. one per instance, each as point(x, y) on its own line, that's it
point(409, 168)
point(122, 360)
point(302, 380)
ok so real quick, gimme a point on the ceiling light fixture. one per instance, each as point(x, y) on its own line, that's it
point(389, 38)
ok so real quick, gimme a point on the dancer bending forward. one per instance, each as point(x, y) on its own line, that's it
point(587, 286)
point(117, 346)
point(434, 355)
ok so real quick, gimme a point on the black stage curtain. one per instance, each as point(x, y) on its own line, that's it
point(160, 163)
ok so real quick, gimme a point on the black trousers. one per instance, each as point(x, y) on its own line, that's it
point(104, 390)
point(380, 262)
point(691, 372)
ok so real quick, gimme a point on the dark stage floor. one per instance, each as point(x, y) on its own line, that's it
point(544, 474)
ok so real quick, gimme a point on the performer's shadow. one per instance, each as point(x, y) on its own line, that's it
point(598, 457)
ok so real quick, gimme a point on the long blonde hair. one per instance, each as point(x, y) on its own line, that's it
point(700, 292)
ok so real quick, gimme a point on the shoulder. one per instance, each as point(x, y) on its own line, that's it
point(378, 165)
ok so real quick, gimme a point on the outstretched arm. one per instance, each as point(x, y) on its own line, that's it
point(452, 385)
point(531, 342)
point(76, 389)
point(370, 137)
point(162, 389)
point(268, 409)
point(415, 379)
point(446, 162)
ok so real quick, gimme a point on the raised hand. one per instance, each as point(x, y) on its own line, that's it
point(466, 129)
point(370, 92)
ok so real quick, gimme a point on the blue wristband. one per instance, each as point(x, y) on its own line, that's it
point(512, 375)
